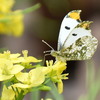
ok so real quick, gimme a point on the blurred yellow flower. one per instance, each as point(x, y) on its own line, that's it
point(56, 73)
point(11, 22)
point(14, 24)
point(7, 94)
point(6, 5)
point(34, 78)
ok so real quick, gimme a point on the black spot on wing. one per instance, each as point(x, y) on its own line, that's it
point(66, 27)
point(74, 34)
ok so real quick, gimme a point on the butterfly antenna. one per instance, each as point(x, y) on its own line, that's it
point(47, 45)
point(48, 50)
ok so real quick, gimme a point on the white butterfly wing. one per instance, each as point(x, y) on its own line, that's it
point(75, 35)
point(80, 44)
point(67, 25)
point(82, 49)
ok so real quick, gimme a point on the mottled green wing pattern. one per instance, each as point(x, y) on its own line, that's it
point(82, 49)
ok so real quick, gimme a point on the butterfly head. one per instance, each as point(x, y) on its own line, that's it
point(75, 14)
point(58, 55)
point(54, 53)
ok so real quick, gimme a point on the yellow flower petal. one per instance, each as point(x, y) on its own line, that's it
point(46, 70)
point(37, 76)
point(16, 69)
point(17, 60)
point(32, 79)
point(6, 5)
point(23, 77)
point(20, 85)
point(56, 73)
point(7, 94)
point(15, 22)
point(12, 56)
point(60, 66)
point(28, 59)
point(8, 70)
point(60, 86)
point(5, 77)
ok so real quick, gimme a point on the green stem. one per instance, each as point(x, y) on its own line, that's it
point(93, 85)
point(25, 11)
point(35, 95)
point(20, 96)
point(30, 9)
point(90, 72)
point(4, 19)
point(54, 91)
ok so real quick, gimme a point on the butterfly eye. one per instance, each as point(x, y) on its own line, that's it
point(74, 34)
point(66, 27)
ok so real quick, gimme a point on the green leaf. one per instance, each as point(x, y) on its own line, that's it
point(3, 49)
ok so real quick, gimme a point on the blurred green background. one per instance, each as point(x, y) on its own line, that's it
point(44, 24)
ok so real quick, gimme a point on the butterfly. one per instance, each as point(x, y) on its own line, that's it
point(75, 41)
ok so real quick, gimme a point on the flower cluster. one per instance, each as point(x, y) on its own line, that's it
point(10, 21)
point(21, 76)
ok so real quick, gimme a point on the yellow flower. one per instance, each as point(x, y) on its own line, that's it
point(6, 5)
point(14, 24)
point(16, 58)
point(8, 70)
point(55, 73)
point(34, 78)
point(28, 59)
point(7, 94)
point(7, 55)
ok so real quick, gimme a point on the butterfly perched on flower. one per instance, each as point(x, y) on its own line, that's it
point(75, 41)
